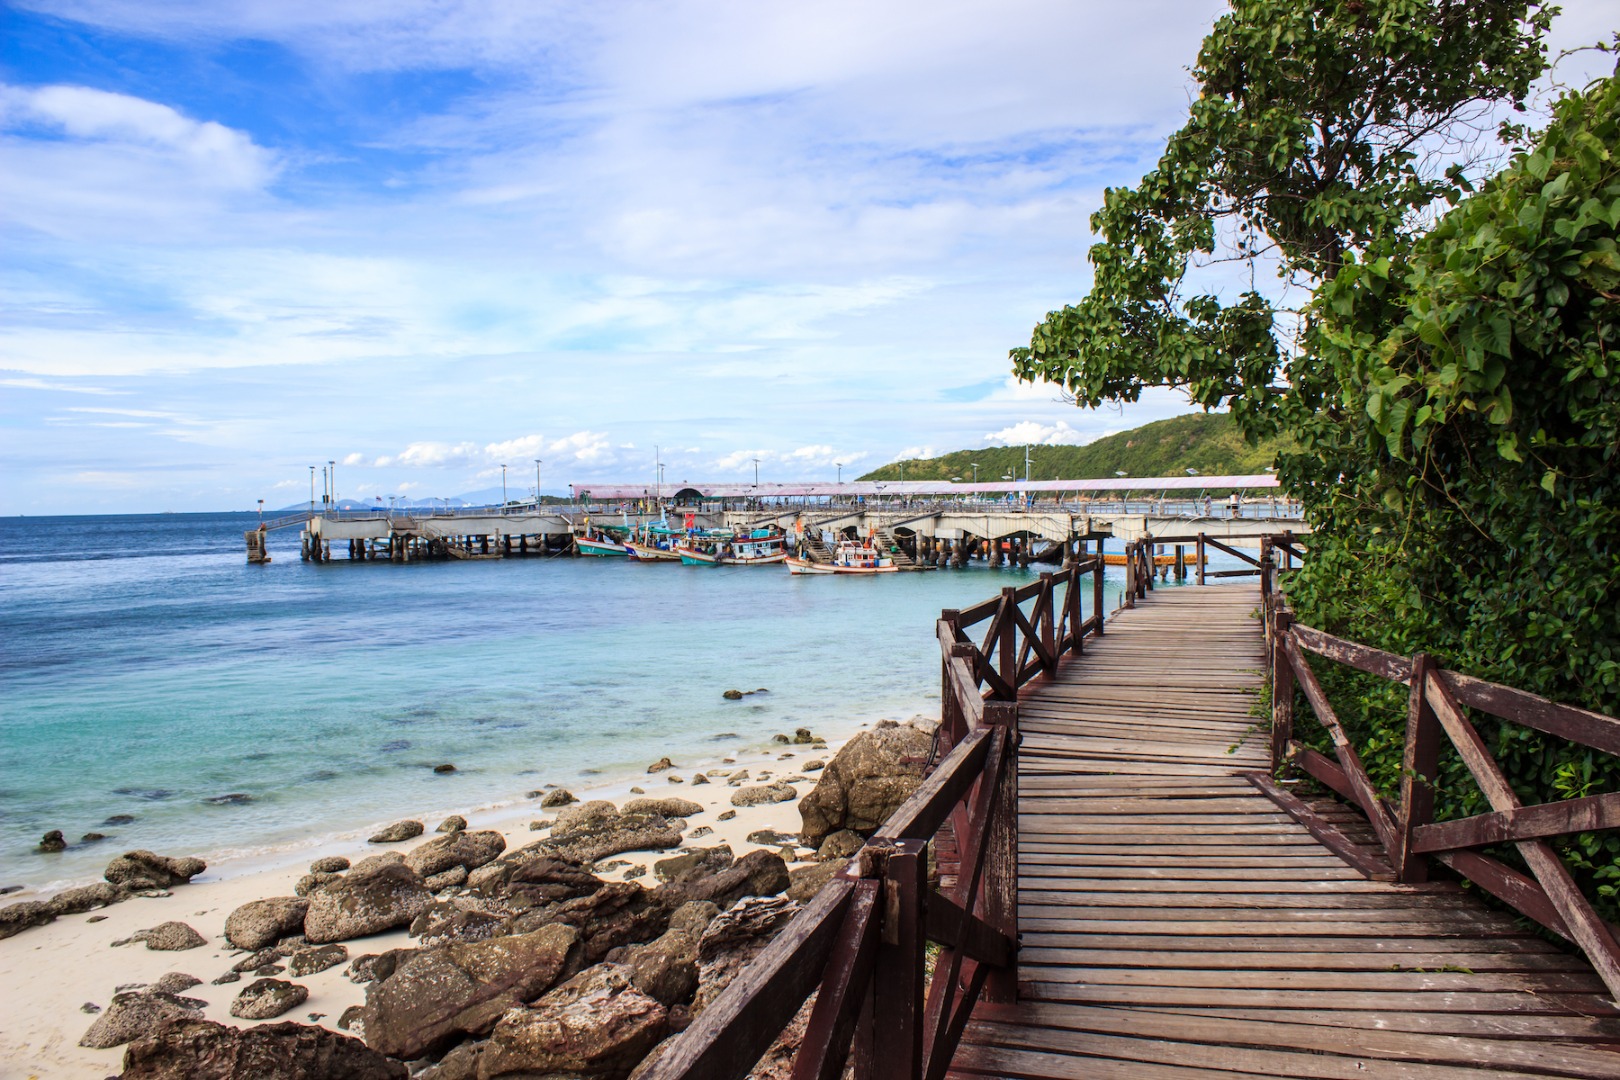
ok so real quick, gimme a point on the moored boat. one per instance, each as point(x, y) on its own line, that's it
point(599, 545)
point(849, 557)
point(759, 548)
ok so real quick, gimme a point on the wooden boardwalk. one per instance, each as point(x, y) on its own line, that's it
point(1177, 924)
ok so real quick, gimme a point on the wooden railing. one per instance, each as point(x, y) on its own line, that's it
point(1435, 714)
point(861, 944)
point(1140, 567)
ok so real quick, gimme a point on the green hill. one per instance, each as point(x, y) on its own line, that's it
point(1208, 442)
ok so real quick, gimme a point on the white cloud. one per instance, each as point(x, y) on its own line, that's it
point(915, 453)
point(215, 154)
point(1032, 433)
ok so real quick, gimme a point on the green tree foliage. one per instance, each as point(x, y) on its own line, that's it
point(1468, 503)
point(1450, 382)
point(1208, 442)
point(1310, 138)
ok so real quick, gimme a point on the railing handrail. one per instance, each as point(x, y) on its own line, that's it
point(862, 938)
point(1405, 826)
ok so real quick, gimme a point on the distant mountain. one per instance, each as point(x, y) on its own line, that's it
point(1208, 442)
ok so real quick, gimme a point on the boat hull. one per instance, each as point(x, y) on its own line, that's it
point(648, 553)
point(694, 557)
point(599, 548)
point(802, 566)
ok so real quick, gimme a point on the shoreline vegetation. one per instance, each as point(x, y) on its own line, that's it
point(628, 905)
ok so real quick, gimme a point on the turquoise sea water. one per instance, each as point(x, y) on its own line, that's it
point(146, 669)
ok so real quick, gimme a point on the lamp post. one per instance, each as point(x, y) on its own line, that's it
point(503, 489)
point(1026, 464)
point(537, 485)
point(332, 465)
point(312, 489)
point(839, 465)
point(261, 511)
point(975, 465)
point(756, 472)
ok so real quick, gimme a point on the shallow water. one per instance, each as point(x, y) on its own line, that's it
point(146, 669)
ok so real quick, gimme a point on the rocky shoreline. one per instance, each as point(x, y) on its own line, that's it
point(575, 947)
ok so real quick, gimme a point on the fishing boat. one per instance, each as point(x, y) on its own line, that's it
point(654, 543)
point(599, 545)
point(849, 557)
point(758, 548)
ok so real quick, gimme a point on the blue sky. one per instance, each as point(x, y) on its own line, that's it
point(426, 238)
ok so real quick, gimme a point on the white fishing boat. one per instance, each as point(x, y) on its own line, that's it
point(759, 548)
point(849, 557)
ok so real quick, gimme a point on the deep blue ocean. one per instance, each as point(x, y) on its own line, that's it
point(146, 668)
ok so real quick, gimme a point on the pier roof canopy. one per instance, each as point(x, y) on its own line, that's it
point(898, 488)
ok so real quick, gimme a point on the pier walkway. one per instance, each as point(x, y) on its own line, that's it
point(1176, 923)
point(1125, 891)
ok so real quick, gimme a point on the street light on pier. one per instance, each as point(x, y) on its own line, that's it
point(839, 465)
point(537, 485)
point(756, 472)
point(332, 466)
point(503, 489)
point(975, 465)
point(312, 489)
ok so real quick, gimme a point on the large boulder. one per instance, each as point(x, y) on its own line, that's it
point(596, 1025)
point(665, 969)
point(133, 1015)
point(733, 939)
point(697, 863)
point(592, 833)
point(866, 782)
point(546, 879)
point(202, 1050)
point(86, 898)
point(136, 870)
point(759, 873)
point(15, 918)
point(263, 999)
point(265, 922)
point(669, 806)
point(465, 849)
point(167, 937)
point(764, 794)
point(437, 996)
point(619, 913)
point(366, 900)
point(398, 831)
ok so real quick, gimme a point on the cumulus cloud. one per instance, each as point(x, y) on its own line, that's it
point(215, 154)
point(1033, 433)
point(914, 453)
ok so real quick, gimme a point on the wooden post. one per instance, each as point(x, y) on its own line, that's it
point(1282, 690)
point(1000, 883)
point(1198, 555)
point(1048, 625)
point(1097, 583)
point(1007, 643)
point(1071, 597)
point(1130, 575)
point(950, 711)
point(897, 975)
point(1420, 769)
point(1181, 562)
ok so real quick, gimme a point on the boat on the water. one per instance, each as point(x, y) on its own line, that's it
point(849, 557)
point(599, 544)
point(758, 548)
point(654, 542)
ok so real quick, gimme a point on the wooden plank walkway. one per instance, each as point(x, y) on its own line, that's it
point(1177, 925)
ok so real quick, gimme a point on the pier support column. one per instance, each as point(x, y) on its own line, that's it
point(303, 546)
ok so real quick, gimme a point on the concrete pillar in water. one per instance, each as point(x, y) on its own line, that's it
point(303, 545)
